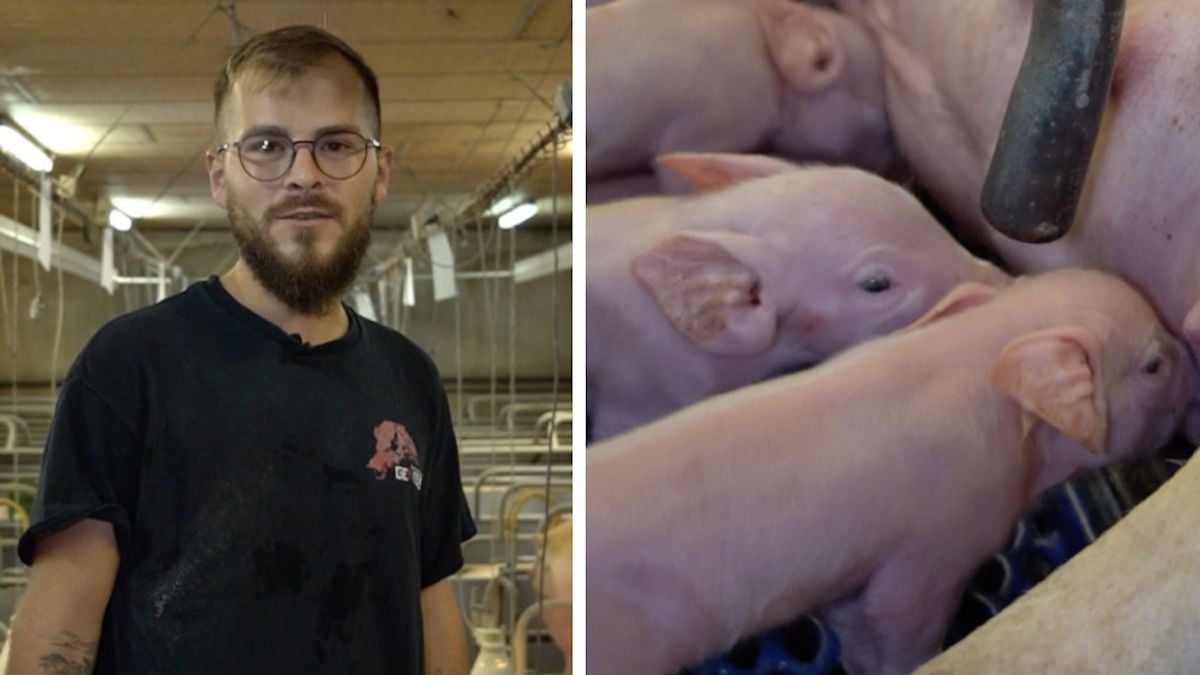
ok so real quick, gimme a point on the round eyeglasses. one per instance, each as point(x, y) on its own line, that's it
point(268, 156)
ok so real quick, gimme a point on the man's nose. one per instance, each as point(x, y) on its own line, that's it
point(304, 172)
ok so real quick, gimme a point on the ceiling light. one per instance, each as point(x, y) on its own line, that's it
point(119, 221)
point(16, 144)
point(517, 216)
point(506, 203)
point(61, 134)
point(133, 206)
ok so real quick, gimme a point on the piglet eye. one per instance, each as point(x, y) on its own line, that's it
point(875, 284)
point(1151, 366)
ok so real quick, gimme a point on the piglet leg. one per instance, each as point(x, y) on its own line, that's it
point(899, 619)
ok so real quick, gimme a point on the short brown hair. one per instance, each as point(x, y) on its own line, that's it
point(290, 52)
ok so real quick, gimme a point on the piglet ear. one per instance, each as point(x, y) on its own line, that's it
point(706, 172)
point(1055, 375)
point(709, 286)
point(802, 42)
point(1191, 326)
point(965, 295)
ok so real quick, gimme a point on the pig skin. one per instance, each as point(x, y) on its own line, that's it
point(949, 70)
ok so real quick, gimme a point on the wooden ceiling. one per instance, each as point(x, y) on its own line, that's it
point(120, 92)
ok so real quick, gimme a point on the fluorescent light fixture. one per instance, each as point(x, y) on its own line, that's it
point(505, 204)
point(119, 221)
point(542, 264)
point(133, 206)
point(16, 144)
point(517, 216)
point(61, 134)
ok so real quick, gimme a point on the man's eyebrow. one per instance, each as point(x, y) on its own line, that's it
point(280, 131)
point(336, 128)
point(273, 130)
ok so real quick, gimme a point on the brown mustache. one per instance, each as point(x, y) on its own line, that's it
point(313, 202)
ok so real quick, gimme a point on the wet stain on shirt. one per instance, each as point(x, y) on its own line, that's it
point(280, 568)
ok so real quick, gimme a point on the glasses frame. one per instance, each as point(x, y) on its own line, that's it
point(312, 149)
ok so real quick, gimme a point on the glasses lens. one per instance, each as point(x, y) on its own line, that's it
point(341, 154)
point(266, 156)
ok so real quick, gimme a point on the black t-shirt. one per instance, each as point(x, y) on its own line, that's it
point(278, 508)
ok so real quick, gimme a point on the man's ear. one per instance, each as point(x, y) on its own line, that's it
point(708, 171)
point(710, 287)
point(386, 156)
point(803, 43)
point(1055, 375)
point(215, 164)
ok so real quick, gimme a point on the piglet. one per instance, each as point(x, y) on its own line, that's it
point(871, 487)
point(771, 76)
point(772, 269)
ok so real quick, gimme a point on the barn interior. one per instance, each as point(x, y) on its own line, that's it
point(112, 212)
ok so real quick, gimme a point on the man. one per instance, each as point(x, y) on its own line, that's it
point(249, 477)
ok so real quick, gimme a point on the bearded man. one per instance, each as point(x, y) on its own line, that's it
point(249, 477)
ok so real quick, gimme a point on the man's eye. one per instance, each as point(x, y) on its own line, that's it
point(339, 145)
point(264, 146)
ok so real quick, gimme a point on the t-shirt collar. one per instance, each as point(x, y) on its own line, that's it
point(213, 288)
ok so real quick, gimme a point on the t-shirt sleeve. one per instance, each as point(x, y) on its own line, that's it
point(89, 469)
point(446, 520)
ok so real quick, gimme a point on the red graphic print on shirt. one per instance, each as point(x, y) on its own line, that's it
point(395, 453)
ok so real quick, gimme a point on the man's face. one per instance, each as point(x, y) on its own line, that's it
point(303, 235)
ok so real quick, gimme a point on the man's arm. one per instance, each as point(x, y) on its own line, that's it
point(445, 640)
point(1129, 603)
point(57, 625)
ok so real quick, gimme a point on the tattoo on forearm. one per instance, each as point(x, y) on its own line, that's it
point(70, 655)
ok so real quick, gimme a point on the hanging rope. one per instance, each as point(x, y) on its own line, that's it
point(8, 328)
point(458, 374)
point(58, 323)
point(34, 304)
point(433, 322)
point(541, 591)
point(15, 304)
point(491, 333)
point(512, 327)
point(481, 250)
point(512, 394)
point(35, 309)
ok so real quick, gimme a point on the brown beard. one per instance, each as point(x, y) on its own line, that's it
point(306, 285)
